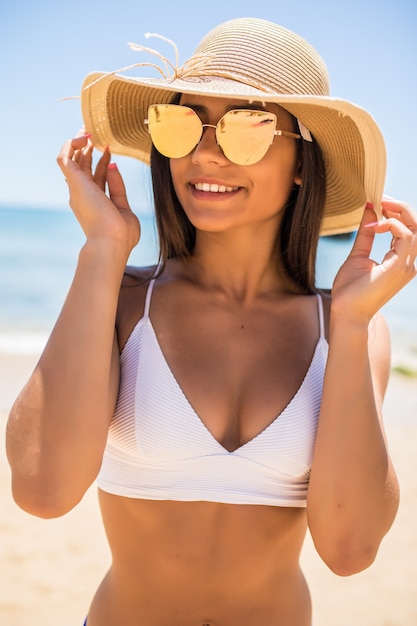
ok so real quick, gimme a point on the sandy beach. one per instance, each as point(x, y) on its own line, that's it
point(50, 569)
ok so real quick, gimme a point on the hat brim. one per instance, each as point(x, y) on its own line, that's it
point(114, 108)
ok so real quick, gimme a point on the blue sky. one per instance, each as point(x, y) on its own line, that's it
point(47, 47)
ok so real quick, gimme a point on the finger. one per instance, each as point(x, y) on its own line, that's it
point(117, 190)
point(85, 157)
point(80, 141)
point(396, 208)
point(402, 245)
point(100, 174)
point(77, 145)
point(402, 211)
point(70, 148)
point(365, 236)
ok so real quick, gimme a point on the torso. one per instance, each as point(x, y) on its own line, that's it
point(196, 563)
point(201, 563)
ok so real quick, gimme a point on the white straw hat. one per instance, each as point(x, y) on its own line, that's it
point(256, 60)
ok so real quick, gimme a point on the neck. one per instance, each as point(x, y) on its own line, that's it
point(241, 264)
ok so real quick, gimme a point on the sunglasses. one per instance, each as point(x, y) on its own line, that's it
point(244, 135)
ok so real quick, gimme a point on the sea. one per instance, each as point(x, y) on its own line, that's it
point(38, 255)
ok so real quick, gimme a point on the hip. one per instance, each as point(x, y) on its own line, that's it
point(202, 603)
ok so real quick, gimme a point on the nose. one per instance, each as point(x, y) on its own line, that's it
point(208, 149)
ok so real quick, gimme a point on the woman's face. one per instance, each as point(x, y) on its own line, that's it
point(218, 195)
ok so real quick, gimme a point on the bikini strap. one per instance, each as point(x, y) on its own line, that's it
point(321, 315)
point(148, 297)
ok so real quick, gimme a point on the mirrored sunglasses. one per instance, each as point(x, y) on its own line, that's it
point(244, 135)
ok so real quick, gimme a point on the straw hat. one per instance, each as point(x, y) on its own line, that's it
point(256, 60)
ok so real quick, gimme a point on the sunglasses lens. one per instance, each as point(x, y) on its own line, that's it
point(175, 130)
point(245, 135)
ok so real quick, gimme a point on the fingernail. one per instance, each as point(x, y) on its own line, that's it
point(112, 166)
point(371, 225)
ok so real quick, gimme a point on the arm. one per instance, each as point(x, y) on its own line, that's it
point(353, 494)
point(58, 425)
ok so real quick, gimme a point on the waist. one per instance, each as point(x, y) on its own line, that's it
point(180, 563)
point(287, 604)
point(182, 539)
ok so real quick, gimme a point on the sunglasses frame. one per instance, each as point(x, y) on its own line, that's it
point(217, 127)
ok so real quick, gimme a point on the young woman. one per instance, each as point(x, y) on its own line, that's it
point(221, 400)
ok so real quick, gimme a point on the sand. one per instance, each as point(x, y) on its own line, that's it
point(49, 569)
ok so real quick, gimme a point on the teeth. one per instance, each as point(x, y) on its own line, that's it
point(214, 188)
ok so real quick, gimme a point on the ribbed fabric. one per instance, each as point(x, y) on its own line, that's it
point(159, 449)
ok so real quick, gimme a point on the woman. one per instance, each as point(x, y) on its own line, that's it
point(224, 402)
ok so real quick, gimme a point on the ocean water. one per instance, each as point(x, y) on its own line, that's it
point(38, 254)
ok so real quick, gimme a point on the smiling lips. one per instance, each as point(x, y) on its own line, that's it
point(213, 188)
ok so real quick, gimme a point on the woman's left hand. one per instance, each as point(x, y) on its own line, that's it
point(363, 286)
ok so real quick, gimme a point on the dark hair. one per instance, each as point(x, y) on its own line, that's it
point(298, 235)
point(299, 231)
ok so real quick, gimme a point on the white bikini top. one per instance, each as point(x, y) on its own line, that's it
point(159, 449)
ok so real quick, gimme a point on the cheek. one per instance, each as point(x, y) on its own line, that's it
point(279, 176)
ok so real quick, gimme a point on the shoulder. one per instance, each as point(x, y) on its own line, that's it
point(379, 336)
point(131, 302)
point(326, 298)
point(379, 344)
point(137, 276)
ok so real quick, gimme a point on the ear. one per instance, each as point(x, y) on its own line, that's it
point(298, 172)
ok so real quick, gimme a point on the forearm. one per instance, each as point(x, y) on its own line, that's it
point(353, 494)
point(58, 425)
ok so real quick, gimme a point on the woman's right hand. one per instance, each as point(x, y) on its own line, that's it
point(102, 217)
point(58, 425)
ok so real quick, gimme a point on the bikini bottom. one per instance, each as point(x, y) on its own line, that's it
point(85, 623)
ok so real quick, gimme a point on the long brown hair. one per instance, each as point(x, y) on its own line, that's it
point(298, 235)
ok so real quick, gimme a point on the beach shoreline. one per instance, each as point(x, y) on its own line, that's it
point(51, 568)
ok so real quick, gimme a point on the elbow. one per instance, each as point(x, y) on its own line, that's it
point(39, 502)
point(347, 559)
point(353, 552)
